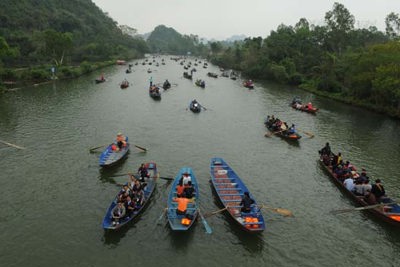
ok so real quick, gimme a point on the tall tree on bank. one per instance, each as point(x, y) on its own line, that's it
point(392, 22)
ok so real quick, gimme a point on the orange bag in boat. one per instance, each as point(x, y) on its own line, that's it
point(185, 221)
point(395, 217)
point(255, 220)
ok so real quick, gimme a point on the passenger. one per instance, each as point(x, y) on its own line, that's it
point(363, 176)
point(366, 187)
point(143, 172)
point(186, 178)
point(378, 190)
point(123, 193)
point(102, 77)
point(349, 184)
point(129, 206)
point(118, 213)
point(182, 205)
point(246, 202)
point(292, 129)
point(188, 190)
point(132, 181)
point(326, 150)
point(370, 198)
point(137, 187)
point(179, 189)
point(121, 141)
point(358, 188)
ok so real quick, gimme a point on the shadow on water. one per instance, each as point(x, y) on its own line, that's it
point(180, 239)
point(112, 237)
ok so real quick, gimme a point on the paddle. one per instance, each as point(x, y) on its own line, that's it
point(307, 133)
point(361, 208)
point(97, 147)
point(142, 148)
point(215, 212)
point(161, 216)
point(166, 178)
point(206, 226)
point(12, 145)
point(283, 212)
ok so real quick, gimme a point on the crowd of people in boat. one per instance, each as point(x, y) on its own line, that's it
point(357, 183)
point(131, 197)
point(276, 125)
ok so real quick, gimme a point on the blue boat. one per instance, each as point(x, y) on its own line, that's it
point(148, 192)
point(230, 189)
point(176, 221)
point(110, 157)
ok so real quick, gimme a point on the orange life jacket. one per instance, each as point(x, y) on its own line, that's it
point(179, 190)
point(182, 204)
point(185, 221)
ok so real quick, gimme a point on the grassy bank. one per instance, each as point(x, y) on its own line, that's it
point(390, 111)
point(16, 78)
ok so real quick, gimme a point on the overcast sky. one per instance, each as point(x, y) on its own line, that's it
point(220, 19)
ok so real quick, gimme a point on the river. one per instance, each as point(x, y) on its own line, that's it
point(54, 195)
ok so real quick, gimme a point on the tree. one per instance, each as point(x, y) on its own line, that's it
point(339, 22)
point(392, 22)
point(57, 44)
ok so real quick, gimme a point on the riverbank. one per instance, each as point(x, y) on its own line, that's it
point(390, 111)
point(13, 79)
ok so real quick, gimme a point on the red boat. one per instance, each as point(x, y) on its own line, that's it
point(248, 84)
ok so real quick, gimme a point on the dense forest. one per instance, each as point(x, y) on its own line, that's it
point(168, 41)
point(65, 32)
point(358, 66)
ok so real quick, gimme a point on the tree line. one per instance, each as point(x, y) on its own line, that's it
point(358, 66)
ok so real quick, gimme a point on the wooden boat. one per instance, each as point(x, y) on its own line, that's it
point(177, 221)
point(100, 80)
point(148, 192)
point(230, 189)
point(195, 106)
point(282, 134)
point(187, 75)
point(124, 84)
point(166, 85)
point(200, 83)
point(110, 156)
point(155, 93)
point(389, 213)
point(296, 104)
point(248, 84)
point(213, 75)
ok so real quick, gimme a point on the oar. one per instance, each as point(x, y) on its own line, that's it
point(307, 133)
point(12, 145)
point(161, 216)
point(361, 208)
point(167, 178)
point(142, 148)
point(203, 107)
point(96, 147)
point(283, 212)
point(215, 212)
point(206, 226)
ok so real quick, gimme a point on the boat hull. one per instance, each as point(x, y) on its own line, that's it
point(229, 189)
point(148, 192)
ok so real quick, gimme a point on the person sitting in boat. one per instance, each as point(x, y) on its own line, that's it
point(102, 77)
point(188, 190)
point(143, 172)
point(167, 84)
point(138, 199)
point(363, 176)
point(308, 106)
point(292, 129)
point(129, 206)
point(326, 150)
point(202, 83)
point(366, 186)
point(349, 184)
point(137, 187)
point(118, 213)
point(370, 198)
point(378, 190)
point(180, 188)
point(121, 141)
point(182, 205)
point(123, 193)
point(186, 178)
point(132, 180)
point(246, 202)
point(358, 188)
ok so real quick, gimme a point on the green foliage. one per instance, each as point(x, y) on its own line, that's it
point(50, 31)
point(167, 40)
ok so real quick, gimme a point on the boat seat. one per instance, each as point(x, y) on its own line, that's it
point(231, 200)
point(252, 223)
point(225, 183)
point(231, 194)
point(229, 188)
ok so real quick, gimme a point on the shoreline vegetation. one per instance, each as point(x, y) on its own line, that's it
point(33, 76)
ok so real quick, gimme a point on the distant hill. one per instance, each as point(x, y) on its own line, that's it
point(167, 40)
point(95, 36)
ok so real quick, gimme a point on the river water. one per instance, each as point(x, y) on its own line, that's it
point(54, 195)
